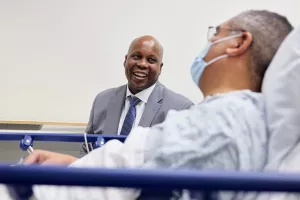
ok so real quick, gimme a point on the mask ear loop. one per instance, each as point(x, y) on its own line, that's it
point(221, 40)
point(217, 58)
point(227, 38)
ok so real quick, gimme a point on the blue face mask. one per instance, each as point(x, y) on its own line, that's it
point(199, 63)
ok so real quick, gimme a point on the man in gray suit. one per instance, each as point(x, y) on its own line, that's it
point(143, 101)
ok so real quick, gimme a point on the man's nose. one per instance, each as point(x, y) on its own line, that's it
point(143, 63)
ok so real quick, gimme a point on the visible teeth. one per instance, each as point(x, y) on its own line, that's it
point(140, 74)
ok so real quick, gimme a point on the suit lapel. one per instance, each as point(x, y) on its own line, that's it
point(152, 106)
point(114, 110)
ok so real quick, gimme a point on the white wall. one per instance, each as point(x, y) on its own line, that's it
point(56, 55)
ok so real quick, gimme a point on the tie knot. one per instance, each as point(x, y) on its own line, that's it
point(134, 101)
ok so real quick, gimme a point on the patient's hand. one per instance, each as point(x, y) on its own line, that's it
point(49, 158)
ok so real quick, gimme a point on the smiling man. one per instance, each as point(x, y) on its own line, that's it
point(143, 101)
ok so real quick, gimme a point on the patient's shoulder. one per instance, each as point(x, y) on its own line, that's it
point(238, 105)
point(242, 96)
point(226, 108)
point(237, 100)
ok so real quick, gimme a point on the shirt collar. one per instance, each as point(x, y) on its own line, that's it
point(142, 95)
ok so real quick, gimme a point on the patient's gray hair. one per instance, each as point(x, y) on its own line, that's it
point(269, 29)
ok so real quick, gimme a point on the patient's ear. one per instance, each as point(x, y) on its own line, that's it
point(243, 43)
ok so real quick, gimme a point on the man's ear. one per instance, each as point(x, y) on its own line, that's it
point(243, 43)
point(125, 60)
point(161, 65)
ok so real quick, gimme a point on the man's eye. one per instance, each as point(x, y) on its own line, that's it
point(136, 57)
point(152, 60)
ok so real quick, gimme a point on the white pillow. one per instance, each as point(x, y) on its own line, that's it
point(281, 88)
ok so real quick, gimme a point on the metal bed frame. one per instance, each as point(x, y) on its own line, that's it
point(206, 181)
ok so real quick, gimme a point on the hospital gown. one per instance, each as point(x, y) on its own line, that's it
point(224, 132)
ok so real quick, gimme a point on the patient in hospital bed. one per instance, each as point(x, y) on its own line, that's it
point(227, 131)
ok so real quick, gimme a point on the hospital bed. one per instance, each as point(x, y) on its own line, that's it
point(208, 182)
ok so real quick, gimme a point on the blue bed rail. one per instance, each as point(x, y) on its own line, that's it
point(27, 138)
point(57, 137)
point(151, 179)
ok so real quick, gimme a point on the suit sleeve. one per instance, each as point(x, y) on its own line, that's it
point(187, 105)
point(89, 129)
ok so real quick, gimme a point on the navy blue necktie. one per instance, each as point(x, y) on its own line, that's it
point(130, 117)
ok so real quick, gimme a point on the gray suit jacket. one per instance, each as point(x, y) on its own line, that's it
point(108, 105)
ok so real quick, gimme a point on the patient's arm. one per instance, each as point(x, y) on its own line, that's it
point(113, 154)
point(49, 158)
